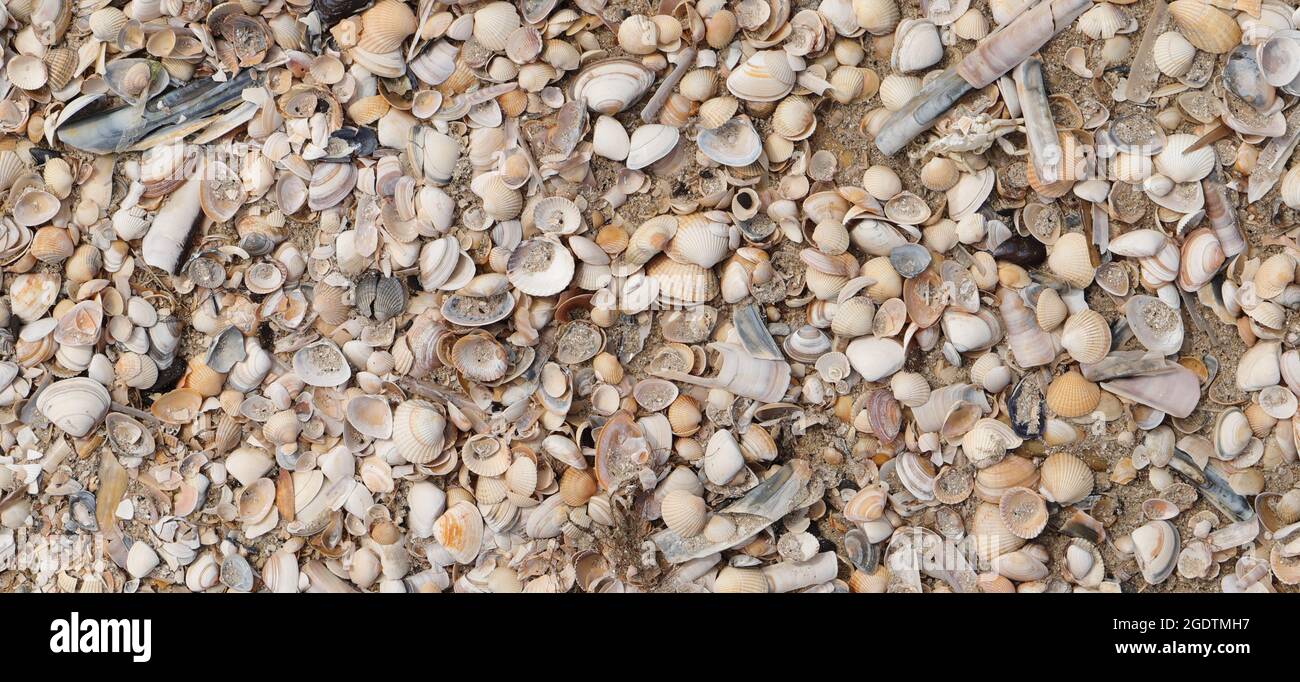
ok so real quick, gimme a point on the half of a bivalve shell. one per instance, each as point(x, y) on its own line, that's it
point(700, 296)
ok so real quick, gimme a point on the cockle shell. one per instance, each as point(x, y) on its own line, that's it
point(460, 531)
point(684, 513)
point(1023, 512)
point(1173, 54)
point(878, 17)
point(1071, 259)
point(1180, 165)
point(540, 267)
point(1086, 336)
point(1070, 395)
point(1065, 479)
point(1205, 26)
point(1157, 326)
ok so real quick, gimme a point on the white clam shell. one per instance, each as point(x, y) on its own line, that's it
point(76, 406)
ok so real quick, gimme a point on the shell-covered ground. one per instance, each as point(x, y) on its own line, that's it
point(625, 297)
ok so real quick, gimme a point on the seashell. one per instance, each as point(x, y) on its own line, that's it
point(1071, 260)
point(910, 389)
point(732, 580)
point(418, 429)
point(493, 24)
point(540, 267)
point(1104, 21)
point(136, 370)
point(107, 23)
point(1050, 311)
point(1232, 433)
point(765, 76)
point(875, 358)
point(1065, 479)
point(321, 364)
point(722, 458)
point(993, 481)
point(988, 441)
point(1278, 402)
point(917, 46)
point(330, 183)
point(1156, 546)
point(611, 86)
point(141, 559)
point(1173, 54)
point(650, 143)
point(853, 317)
point(1260, 366)
point(638, 35)
point(794, 118)
point(1206, 27)
point(897, 90)
point(991, 537)
point(684, 283)
point(1157, 326)
point(684, 416)
point(878, 17)
point(60, 62)
point(610, 139)
point(500, 200)
point(576, 487)
point(1180, 165)
point(51, 245)
point(27, 72)
point(460, 531)
point(881, 182)
point(480, 358)
point(485, 455)
point(1086, 336)
point(1201, 256)
point(1070, 395)
point(1274, 275)
point(734, 143)
point(1023, 512)
point(35, 207)
point(684, 512)
point(939, 174)
point(76, 406)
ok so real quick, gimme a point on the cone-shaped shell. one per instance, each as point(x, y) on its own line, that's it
point(1065, 479)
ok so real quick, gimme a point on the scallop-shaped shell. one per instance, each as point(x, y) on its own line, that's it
point(611, 86)
point(60, 62)
point(684, 512)
point(460, 531)
point(717, 111)
point(1274, 274)
point(1157, 326)
point(27, 72)
point(1173, 54)
point(684, 283)
point(1071, 260)
point(500, 200)
point(897, 90)
point(1103, 21)
point(1050, 311)
point(76, 406)
point(540, 267)
point(106, 24)
point(418, 429)
point(910, 389)
point(136, 370)
point(576, 487)
point(386, 25)
point(493, 24)
point(794, 118)
point(765, 77)
point(1023, 512)
point(878, 17)
point(881, 182)
point(732, 580)
point(1065, 479)
point(1070, 395)
point(1180, 165)
point(971, 26)
point(1205, 26)
point(1086, 336)
point(322, 364)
